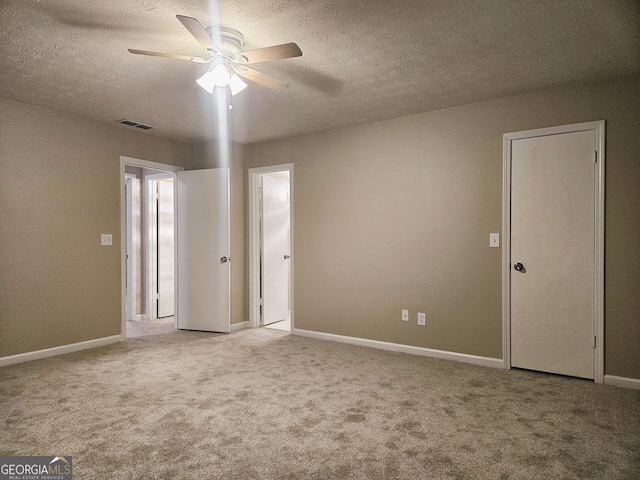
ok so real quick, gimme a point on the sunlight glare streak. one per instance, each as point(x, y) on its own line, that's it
point(221, 98)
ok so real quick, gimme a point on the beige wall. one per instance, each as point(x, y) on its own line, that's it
point(215, 155)
point(59, 190)
point(397, 214)
point(389, 215)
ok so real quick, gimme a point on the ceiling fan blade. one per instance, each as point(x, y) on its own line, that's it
point(262, 79)
point(197, 30)
point(276, 52)
point(170, 55)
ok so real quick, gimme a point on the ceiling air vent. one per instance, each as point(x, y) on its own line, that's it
point(129, 123)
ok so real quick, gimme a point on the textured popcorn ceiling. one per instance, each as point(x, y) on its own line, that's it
point(362, 60)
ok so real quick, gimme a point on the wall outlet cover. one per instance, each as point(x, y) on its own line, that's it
point(106, 239)
point(422, 319)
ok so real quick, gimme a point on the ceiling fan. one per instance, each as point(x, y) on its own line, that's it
point(229, 62)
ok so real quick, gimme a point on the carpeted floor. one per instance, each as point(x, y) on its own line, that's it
point(261, 404)
point(142, 328)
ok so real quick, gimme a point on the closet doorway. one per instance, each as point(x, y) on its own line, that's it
point(270, 249)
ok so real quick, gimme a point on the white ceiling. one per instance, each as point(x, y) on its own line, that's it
point(363, 60)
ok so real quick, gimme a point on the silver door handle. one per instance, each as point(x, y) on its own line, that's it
point(224, 259)
point(518, 267)
point(287, 257)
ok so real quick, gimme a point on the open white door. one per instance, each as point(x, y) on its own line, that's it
point(165, 243)
point(128, 195)
point(203, 250)
point(275, 254)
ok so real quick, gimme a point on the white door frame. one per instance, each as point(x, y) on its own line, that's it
point(254, 241)
point(135, 162)
point(599, 161)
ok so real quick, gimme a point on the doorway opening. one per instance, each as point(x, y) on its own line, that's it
point(149, 248)
point(270, 247)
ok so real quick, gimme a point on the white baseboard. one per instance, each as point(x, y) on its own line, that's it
point(239, 326)
point(398, 347)
point(61, 350)
point(624, 382)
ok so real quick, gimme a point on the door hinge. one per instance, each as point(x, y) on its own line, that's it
point(594, 341)
point(595, 160)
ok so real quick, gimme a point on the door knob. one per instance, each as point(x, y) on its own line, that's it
point(287, 257)
point(224, 259)
point(519, 267)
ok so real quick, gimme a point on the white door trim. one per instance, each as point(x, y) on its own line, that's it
point(508, 138)
point(135, 162)
point(254, 241)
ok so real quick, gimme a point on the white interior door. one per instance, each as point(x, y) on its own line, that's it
point(275, 252)
point(552, 253)
point(203, 250)
point(165, 242)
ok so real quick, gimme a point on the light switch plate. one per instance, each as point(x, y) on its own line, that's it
point(106, 239)
point(405, 315)
point(494, 240)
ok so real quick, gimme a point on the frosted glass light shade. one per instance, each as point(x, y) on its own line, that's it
point(236, 84)
point(220, 75)
point(206, 81)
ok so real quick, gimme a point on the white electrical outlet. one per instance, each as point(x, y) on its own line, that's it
point(405, 315)
point(422, 319)
point(106, 239)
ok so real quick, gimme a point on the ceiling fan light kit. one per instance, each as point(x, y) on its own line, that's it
point(219, 76)
point(230, 62)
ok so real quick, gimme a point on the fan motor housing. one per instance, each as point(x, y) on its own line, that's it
point(229, 40)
